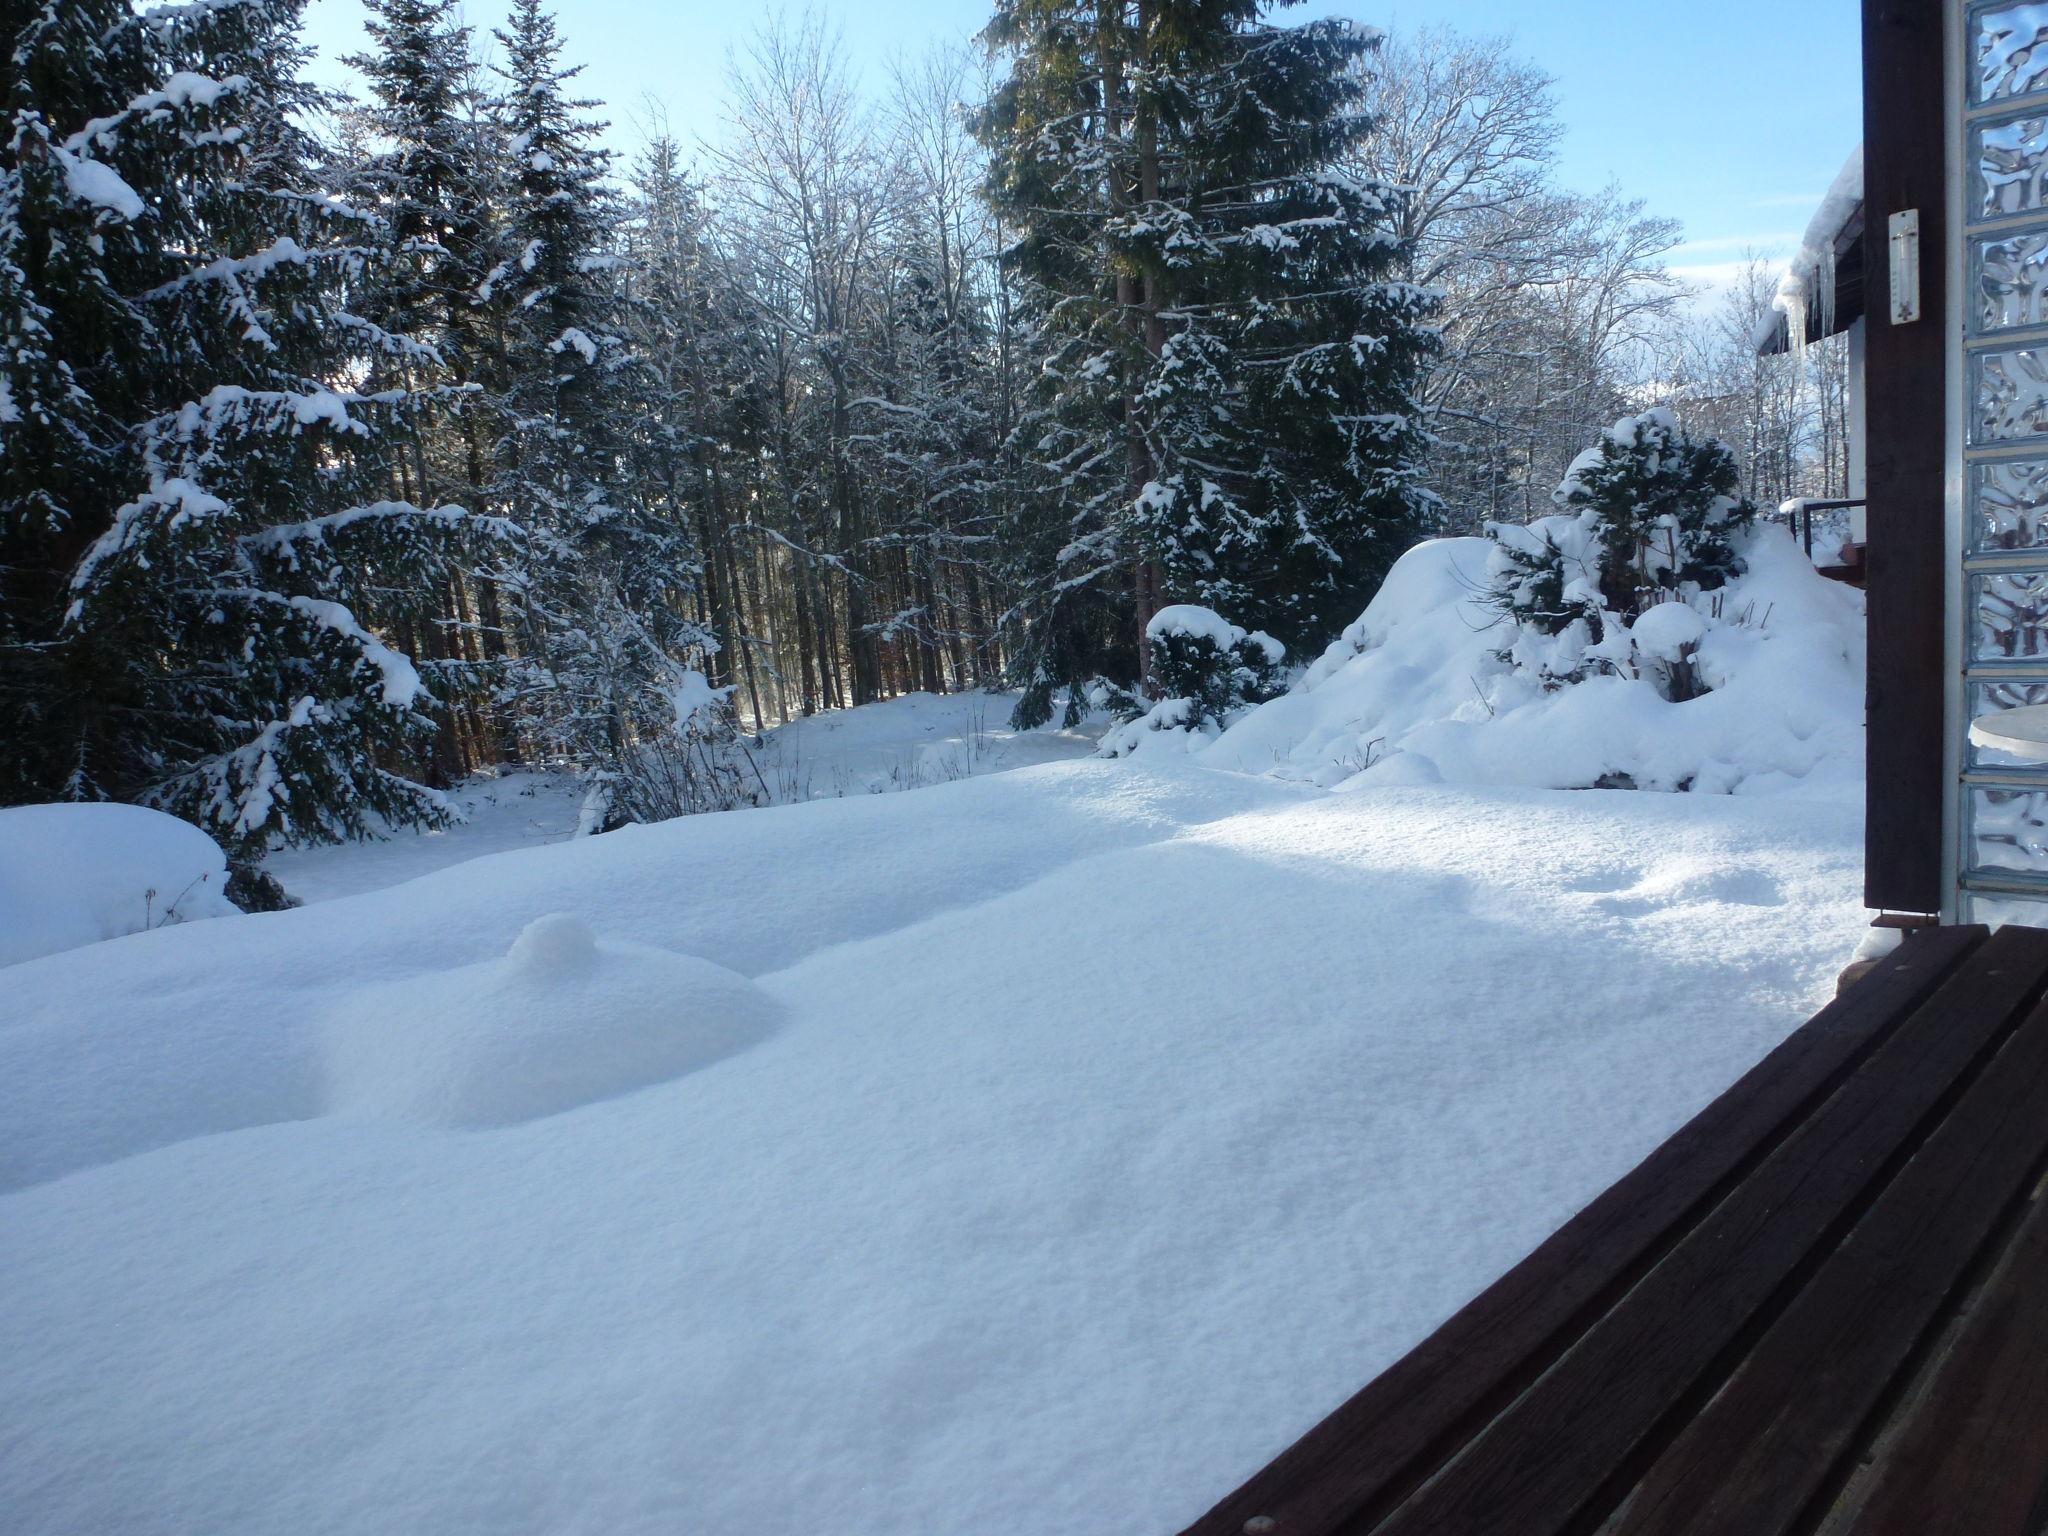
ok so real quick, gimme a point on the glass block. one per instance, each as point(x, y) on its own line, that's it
point(2009, 396)
point(1995, 697)
point(2011, 160)
point(1997, 911)
point(2009, 44)
point(2008, 830)
point(2009, 616)
point(2009, 505)
point(2010, 282)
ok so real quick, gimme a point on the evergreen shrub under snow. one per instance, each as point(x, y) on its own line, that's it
point(1651, 520)
point(1206, 669)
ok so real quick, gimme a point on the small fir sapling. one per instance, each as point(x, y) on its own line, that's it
point(1199, 655)
point(1649, 517)
point(1206, 668)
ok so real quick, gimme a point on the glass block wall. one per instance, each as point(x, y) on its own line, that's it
point(2002, 821)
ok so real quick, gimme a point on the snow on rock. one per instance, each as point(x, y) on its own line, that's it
point(560, 1021)
point(76, 874)
point(1416, 692)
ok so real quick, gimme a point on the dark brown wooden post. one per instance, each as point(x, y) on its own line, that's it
point(1906, 417)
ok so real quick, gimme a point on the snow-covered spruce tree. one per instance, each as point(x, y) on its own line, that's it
point(194, 520)
point(1227, 413)
point(690, 416)
point(1651, 520)
point(427, 154)
point(610, 637)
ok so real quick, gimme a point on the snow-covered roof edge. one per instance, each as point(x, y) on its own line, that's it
point(1810, 277)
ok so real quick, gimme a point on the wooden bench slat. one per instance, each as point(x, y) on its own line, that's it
point(1973, 1456)
point(1573, 1444)
point(1387, 1437)
point(1776, 1439)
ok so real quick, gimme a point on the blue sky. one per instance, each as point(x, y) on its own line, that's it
point(1733, 122)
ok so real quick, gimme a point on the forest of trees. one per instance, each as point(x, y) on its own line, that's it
point(348, 445)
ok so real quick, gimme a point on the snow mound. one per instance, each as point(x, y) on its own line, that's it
point(559, 1022)
point(1415, 692)
point(1667, 629)
point(76, 874)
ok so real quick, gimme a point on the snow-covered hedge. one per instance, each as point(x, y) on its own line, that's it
point(76, 874)
point(1433, 684)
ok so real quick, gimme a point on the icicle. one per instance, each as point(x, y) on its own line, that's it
point(1824, 280)
point(1794, 300)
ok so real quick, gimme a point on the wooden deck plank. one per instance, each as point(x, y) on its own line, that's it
point(1570, 1447)
point(1778, 1439)
point(1383, 1441)
point(1974, 1454)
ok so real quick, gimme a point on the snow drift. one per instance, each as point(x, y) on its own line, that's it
point(1417, 692)
point(559, 1022)
point(76, 874)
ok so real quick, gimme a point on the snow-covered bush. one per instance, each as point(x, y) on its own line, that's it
point(1651, 518)
point(1206, 670)
point(1418, 690)
point(685, 758)
point(76, 874)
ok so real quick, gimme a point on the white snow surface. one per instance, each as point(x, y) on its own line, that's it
point(909, 1162)
point(1415, 692)
point(76, 874)
point(963, 1143)
point(909, 742)
point(912, 741)
point(560, 1021)
point(96, 182)
point(498, 812)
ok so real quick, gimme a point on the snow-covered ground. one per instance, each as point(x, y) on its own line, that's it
point(500, 812)
point(1035, 1153)
point(910, 742)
